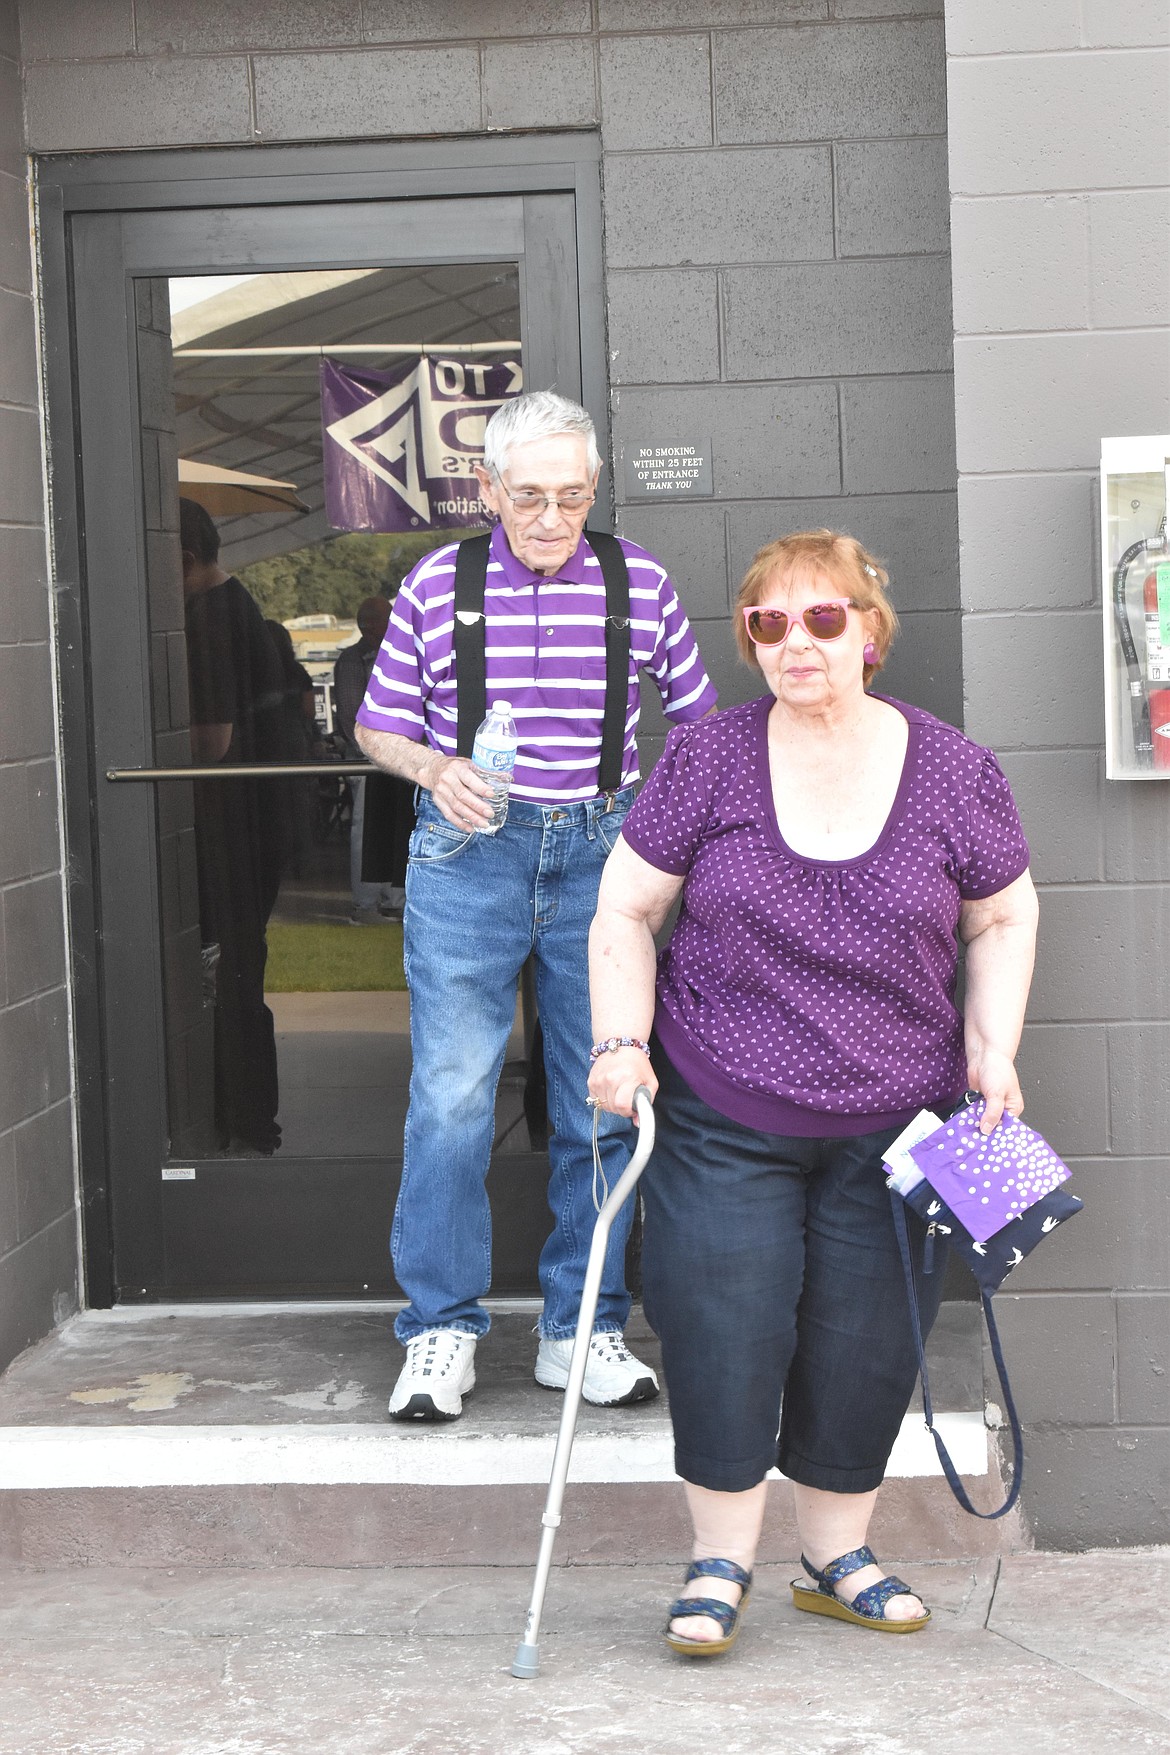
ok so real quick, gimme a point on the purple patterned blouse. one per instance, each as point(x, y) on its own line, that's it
point(813, 996)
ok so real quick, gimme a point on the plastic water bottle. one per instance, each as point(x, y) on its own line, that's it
point(493, 755)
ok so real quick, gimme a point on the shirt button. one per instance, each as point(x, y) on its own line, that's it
point(549, 632)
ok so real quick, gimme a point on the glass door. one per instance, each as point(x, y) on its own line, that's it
point(254, 1007)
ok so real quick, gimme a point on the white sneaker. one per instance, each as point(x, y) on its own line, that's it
point(439, 1372)
point(613, 1377)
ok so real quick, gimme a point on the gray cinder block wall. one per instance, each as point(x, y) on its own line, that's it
point(777, 281)
point(38, 1229)
point(776, 239)
point(1060, 214)
point(776, 229)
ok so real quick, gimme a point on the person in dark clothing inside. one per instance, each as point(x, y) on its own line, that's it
point(298, 718)
point(237, 695)
point(298, 705)
point(383, 805)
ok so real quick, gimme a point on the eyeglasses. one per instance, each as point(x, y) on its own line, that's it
point(528, 500)
point(824, 621)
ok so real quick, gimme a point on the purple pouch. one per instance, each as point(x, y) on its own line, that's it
point(988, 1181)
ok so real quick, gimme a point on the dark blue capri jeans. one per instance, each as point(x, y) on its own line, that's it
point(771, 1274)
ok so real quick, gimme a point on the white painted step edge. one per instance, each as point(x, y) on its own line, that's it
point(56, 1457)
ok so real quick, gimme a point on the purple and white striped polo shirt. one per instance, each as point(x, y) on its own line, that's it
point(545, 654)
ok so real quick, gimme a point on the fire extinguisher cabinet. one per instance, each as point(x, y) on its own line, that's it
point(1135, 593)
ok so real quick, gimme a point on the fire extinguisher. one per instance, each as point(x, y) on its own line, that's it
point(1156, 603)
point(1149, 702)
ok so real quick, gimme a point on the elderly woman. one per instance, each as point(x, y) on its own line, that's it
point(831, 848)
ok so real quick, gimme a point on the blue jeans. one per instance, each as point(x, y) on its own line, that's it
point(773, 1277)
point(476, 907)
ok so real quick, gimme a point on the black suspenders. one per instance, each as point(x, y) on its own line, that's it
point(471, 638)
point(617, 657)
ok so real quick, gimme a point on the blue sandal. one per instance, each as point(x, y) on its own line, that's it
point(727, 1616)
point(868, 1608)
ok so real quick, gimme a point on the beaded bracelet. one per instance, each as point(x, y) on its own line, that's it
point(613, 1042)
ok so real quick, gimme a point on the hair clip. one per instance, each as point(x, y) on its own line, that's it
point(866, 568)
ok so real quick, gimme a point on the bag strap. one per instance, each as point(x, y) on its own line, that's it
point(944, 1457)
point(471, 564)
point(617, 657)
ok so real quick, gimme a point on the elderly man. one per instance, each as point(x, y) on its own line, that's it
point(543, 618)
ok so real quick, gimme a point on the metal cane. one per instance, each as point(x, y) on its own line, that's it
point(526, 1663)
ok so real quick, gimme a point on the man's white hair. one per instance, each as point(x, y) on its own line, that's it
point(538, 414)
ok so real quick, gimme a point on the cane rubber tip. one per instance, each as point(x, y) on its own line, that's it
point(525, 1664)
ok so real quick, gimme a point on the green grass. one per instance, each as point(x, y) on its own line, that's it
point(335, 959)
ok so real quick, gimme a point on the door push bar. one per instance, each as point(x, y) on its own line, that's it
point(246, 771)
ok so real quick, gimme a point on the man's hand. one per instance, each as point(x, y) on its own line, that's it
point(460, 793)
point(451, 781)
point(210, 743)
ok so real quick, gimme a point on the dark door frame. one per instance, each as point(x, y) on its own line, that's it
point(74, 185)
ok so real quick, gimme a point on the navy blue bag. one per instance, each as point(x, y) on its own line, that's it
point(990, 1262)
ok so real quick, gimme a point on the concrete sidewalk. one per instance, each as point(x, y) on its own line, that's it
point(1031, 1654)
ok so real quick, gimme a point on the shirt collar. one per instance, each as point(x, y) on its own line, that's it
point(517, 574)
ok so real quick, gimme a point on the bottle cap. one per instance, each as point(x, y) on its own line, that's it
point(501, 706)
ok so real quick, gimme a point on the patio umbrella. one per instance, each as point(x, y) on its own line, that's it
point(228, 493)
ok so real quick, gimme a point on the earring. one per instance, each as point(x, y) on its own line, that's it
point(870, 654)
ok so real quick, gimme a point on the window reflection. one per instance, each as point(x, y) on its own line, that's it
point(290, 1033)
point(243, 830)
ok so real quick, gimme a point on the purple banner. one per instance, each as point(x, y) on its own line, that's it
point(401, 446)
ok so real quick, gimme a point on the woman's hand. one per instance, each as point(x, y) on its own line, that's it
point(633, 902)
point(616, 1076)
point(993, 1075)
point(1000, 934)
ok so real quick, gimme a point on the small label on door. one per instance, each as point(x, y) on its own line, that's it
point(178, 1172)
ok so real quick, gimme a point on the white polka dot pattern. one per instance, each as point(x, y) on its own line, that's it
point(794, 985)
point(988, 1182)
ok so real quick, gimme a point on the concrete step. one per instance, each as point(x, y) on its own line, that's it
point(220, 1435)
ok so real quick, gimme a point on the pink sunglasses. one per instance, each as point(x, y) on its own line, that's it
point(824, 621)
